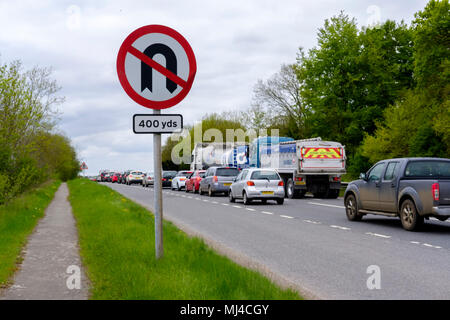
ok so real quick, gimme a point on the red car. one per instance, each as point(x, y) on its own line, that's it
point(115, 177)
point(193, 181)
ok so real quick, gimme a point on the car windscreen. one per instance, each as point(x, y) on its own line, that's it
point(201, 174)
point(428, 169)
point(264, 175)
point(136, 173)
point(227, 172)
point(169, 174)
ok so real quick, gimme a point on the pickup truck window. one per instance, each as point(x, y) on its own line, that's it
point(390, 171)
point(375, 173)
point(429, 169)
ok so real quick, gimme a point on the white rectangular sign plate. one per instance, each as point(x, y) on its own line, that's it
point(157, 123)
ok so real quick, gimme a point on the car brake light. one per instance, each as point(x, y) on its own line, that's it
point(280, 184)
point(250, 183)
point(164, 179)
point(435, 191)
point(215, 179)
point(336, 178)
point(298, 179)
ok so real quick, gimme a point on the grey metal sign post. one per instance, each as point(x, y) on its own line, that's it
point(157, 195)
point(136, 68)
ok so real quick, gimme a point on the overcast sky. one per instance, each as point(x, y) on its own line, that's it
point(235, 44)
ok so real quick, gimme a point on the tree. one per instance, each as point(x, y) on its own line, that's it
point(277, 104)
point(419, 123)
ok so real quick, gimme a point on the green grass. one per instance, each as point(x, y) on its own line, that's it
point(118, 250)
point(18, 218)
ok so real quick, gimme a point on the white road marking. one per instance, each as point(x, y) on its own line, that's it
point(339, 227)
point(415, 242)
point(205, 200)
point(239, 207)
point(313, 222)
point(266, 212)
point(378, 235)
point(250, 209)
point(288, 217)
point(190, 197)
point(215, 202)
point(326, 205)
point(431, 246)
point(225, 204)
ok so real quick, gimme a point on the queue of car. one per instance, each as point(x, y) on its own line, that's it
point(412, 189)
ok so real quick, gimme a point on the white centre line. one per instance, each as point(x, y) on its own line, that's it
point(239, 207)
point(415, 242)
point(288, 217)
point(431, 246)
point(313, 222)
point(266, 212)
point(339, 227)
point(205, 200)
point(225, 204)
point(250, 209)
point(378, 235)
point(215, 202)
point(326, 205)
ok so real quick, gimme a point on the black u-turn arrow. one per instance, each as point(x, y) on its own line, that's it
point(171, 65)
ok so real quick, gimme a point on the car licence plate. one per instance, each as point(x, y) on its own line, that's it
point(267, 192)
point(227, 184)
point(300, 183)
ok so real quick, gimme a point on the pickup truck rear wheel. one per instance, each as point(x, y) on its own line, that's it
point(411, 220)
point(351, 209)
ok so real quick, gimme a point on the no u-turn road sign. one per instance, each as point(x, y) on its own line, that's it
point(156, 66)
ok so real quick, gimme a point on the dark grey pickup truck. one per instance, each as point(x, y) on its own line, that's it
point(409, 188)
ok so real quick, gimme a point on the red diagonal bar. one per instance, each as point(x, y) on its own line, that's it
point(153, 64)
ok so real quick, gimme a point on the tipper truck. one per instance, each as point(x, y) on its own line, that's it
point(308, 165)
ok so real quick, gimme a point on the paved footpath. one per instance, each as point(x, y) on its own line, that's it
point(51, 258)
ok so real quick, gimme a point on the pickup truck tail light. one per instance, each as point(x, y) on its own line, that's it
point(250, 183)
point(435, 191)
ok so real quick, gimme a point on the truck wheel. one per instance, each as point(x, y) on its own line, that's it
point(351, 209)
point(290, 191)
point(411, 220)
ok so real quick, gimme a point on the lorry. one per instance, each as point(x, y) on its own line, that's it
point(412, 189)
point(261, 143)
point(237, 156)
point(307, 165)
point(207, 154)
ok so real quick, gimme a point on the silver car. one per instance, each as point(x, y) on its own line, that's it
point(148, 179)
point(257, 184)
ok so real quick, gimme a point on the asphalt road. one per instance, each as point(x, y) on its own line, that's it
point(310, 242)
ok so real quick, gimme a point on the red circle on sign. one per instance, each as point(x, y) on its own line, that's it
point(127, 45)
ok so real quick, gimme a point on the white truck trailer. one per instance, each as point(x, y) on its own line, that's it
point(308, 165)
point(208, 154)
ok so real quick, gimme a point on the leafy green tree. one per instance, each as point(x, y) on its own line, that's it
point(419, 123)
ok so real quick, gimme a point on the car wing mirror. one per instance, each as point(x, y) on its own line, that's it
point(362, 176)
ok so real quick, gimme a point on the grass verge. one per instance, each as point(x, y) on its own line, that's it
point(18, 218)
point(117, 248)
